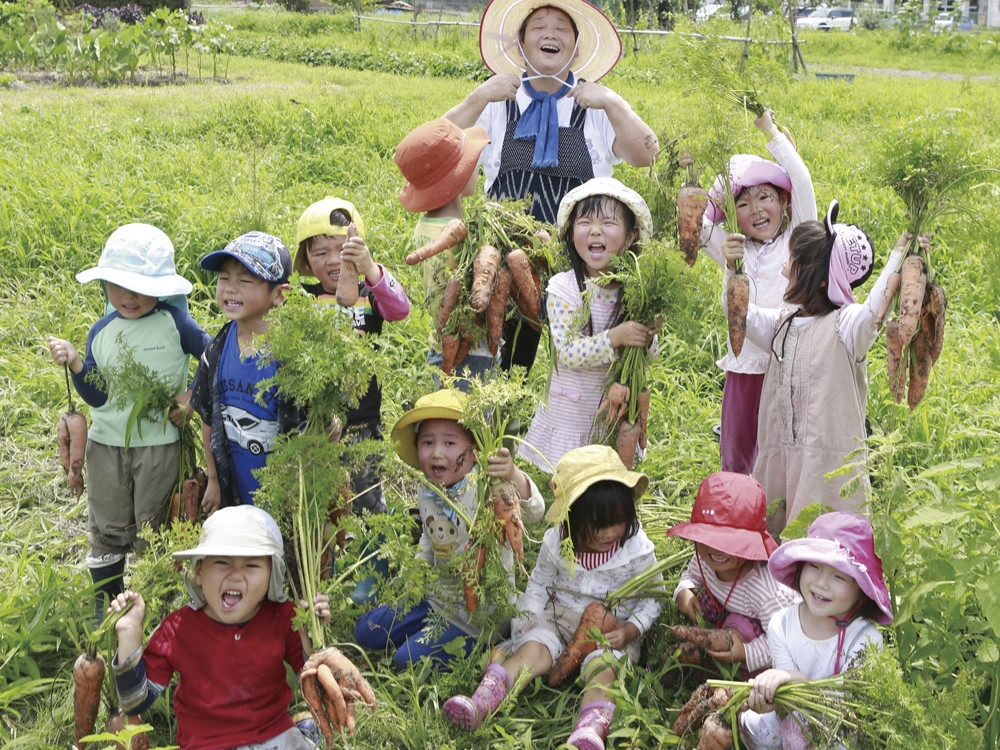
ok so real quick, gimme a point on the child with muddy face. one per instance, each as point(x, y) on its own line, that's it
point(431, 438)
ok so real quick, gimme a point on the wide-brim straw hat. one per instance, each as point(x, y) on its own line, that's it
point(598, 45)
point(446, 403)
point(239, 531)
point(140, 258)
point(612, 188)
point(580, 468)
point(745, 170)
point(730, 515)
point(845, 542)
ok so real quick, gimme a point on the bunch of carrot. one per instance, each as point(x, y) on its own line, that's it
point(72, 441)
point(915, 337)
point(500, 257)
point(331, 684)
point(625, 406)
point(185, 504)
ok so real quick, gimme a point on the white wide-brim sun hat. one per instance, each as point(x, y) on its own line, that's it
point(140, 258)
point(598, 45)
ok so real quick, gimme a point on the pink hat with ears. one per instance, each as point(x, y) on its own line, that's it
point(845, 542)
point(745, 170)
point(851, 258)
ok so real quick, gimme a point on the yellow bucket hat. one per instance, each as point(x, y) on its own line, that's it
point(580, 468)
point(444, 404)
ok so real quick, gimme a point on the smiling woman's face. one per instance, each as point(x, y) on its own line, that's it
point(549, 41)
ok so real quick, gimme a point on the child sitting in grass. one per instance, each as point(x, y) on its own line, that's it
point(431, 438)
point(595, 508)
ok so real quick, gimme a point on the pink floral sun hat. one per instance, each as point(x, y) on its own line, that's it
point(745, 170)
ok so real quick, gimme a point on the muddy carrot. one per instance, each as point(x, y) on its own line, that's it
point(596, 615)
point(347, 283)
point(63, 440)
point(615, 403)
point(336, 706)
point(891, 289)
point(938, 304)
point(175, 507)
point(484, 274)
point(737, 300)
point(689, 653)
point(88, 676)
point(912, 287)
point(524, 284)
point(311, 695)
point(117, 721)
point(202, 478)
point(691, 203)
point(507, 510)
point(716, 734)
point(449, 350)
point(452, 235)
point(189, 498)
point(471, 576)
point(452, 291)
point(643, 402)
point(710, 639)
point(464, 347)
point(542, 237)
point(496, 310)
point(345, 672)
point(628, 441)
point(893, 358)
point(139, 741)
point(703, 701)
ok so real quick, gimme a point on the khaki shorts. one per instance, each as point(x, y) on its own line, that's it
point(126, 490)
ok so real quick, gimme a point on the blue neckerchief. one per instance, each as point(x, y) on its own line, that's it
point(540, 121)
point(424, 492)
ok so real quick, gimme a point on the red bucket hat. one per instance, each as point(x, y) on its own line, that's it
point(845, 542)
point(729, 514)
point(437, 159)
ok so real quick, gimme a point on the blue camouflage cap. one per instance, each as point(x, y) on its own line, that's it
point(264, 254)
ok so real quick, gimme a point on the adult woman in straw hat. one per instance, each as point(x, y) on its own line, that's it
point(551, 126)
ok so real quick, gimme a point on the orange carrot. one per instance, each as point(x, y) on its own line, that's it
point(938, 304)
point(449, 352)
point(891, 289)
point(484, 274)
point(703, 701)
point(139, 741)
point(116, 722)
point(452, 291)
point(495, 311)
point(689, 653)
point(643, 402)
point(452, 235)
point(507, 510)
point(737, 300)
point(542, 237)
point(175, 508)
point(202, 478)
point(615, 403)
point(471, 575)
point(311, 695)
point(72, 440)
point(628, 441)
point(347, 283)
point(464, 347)
point(893, 358)
point(351, 682)
point(912, 287)
point(691, 203)
point(525, 289)
point(88, 676)
point(710, 639)
point(336, 706)
point(63, 441)
point(189, 497)
point(596, 615)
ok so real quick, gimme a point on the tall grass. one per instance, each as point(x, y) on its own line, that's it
point(208, 161)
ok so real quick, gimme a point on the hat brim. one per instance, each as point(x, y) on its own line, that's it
point(756, 172)
point(598, 45)
point(637, 481)
point(405, 438)
point(750, 545)
point(150, 286)
point(223, 550)
point(784, 563)
point(418, 200)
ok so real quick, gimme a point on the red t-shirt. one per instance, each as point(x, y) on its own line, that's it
point(232, 687)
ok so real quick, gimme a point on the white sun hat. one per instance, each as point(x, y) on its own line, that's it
point(598, 45)
point(140, 258)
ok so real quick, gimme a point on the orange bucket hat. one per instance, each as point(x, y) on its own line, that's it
point(437, 159)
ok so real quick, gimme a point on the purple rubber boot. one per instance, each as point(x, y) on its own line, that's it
point(469, 712)
point(592, 727)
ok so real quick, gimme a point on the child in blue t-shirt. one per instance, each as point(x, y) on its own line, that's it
point(238, 428)
point(131, 486)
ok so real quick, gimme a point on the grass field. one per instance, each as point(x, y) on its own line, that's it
point(209, 159)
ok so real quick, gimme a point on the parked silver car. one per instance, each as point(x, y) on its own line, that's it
point(827, 18)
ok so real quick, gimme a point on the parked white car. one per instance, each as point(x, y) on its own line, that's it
point(828, 18)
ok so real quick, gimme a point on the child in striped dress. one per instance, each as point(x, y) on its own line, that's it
point(727, 582)
point(597, 221)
